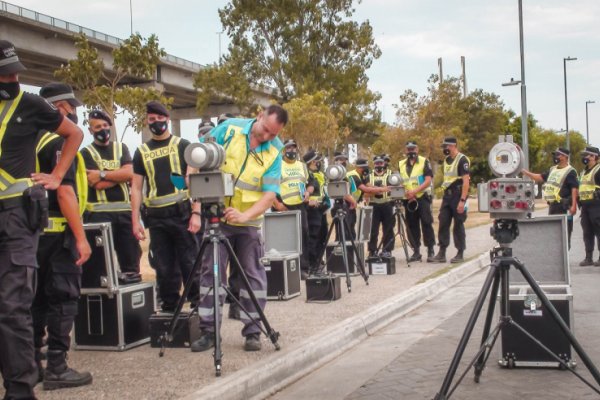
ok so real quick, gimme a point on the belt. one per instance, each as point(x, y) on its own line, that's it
point(13, 202)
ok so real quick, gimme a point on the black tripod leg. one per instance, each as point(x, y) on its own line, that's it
point(342, 227)
point(273, 335)
point(168, 335)
point(217, 355)
point(327, 238)
point(402, 235)
point(462, 345)
point(558, 319)
point(360, 265)
point(480, 364)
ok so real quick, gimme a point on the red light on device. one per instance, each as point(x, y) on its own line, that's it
point(521, 205)
point(496, 204)
point(493, 185)
point(510, 189)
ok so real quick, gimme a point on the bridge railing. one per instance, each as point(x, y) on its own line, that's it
point(23, 12)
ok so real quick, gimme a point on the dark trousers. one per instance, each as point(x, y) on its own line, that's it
point(127, 246)
point(248, 247)
point(58, 289)
point(558, 209)
point(590, 223)
point(304, 257)
point(420, 219)
point(448, 212)
point(173, 251)
point(322, 235)
point(314, 216)
point(18, 247)
point(383, 215)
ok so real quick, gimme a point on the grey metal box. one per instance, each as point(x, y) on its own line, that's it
point(335, 260)
point(99, 273)
point(365, 220)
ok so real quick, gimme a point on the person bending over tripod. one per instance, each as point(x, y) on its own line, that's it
point(253, 157)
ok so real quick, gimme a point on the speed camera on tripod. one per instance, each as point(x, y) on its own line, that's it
point(338, 186)
point(396, 185)
point(506, 197)
point(210, 185)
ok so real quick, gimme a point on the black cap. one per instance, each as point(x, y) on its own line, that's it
point(9, 61)
point(205, 127)
point(290, 142)
point(310, 156)
point(339, 155)
point(449, 140)
point(156, 107)
point(386, 157)
point(224, 117)
point(56, 91)
point(362, 163)
point(99, 114)
point(378, 160)
point(562, 151)
point(412, 143)
point(591, 150)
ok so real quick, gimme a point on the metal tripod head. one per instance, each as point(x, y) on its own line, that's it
point(505, 231)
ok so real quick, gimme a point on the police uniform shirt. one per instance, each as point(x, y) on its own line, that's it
point(32, 115)
point(571, 182)
point(162, 165)
point(427, 171)
point(463, 169)
point(115, 193)
point(48, 157)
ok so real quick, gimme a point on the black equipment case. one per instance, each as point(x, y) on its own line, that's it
point(335, 259)
point(382, 265)
point(323, 288)
point(186, 331)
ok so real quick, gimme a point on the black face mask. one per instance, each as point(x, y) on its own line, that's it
point(379, 169)
point(103, 135)
point(366, 172)
point(446, 152)
point(9, 90)
point(291, 155)
point(556, 160)
point(73, 118)
point(158, 127)
point(318, 166)
point(585, 160)
point(412, 155)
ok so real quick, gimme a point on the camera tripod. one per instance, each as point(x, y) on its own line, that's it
point(213, 236)
point(340, 224)
point(403, 233)
point(505, 231)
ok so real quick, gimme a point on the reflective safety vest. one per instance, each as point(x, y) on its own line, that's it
point(151, 199)
point(356, 193)
point(294, 177)
point(247, 170)
point(556, 178)
point(103, 204)
point(416, 177)
point(10, 187)
point(318, 195)
point(451, 171)
point(379, 181)
point(58, 224)
point(587, 183)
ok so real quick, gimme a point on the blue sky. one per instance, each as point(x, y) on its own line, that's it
point(412, 35)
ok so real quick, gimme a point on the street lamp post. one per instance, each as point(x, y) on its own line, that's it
point(566, 101)
point(524, 117)
point(587, 125)
point(220, 33)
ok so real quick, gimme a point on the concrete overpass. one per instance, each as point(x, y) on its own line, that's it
point(44, 43)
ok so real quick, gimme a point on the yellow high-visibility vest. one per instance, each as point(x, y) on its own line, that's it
point(451, 171)
point(357, 192)
point(587, 183)
point(379, 181)
point(319, 194)
point(294, 177)
point(556, 178)
point(411, 181)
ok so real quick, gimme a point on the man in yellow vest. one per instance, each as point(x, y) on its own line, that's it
point(383, 210)
point(417, 175)
point(23, 208)
point(109, 171)
point(456, 191)
point(318, 204)
point(253, 157)
point(168, 213)
point(62, 250)
point(560, 187)
point(294, 192)
point(589, 199)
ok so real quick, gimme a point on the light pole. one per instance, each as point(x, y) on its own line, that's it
point(220, 33)
point(566, 101)
point(587, 125)
point(131, 16)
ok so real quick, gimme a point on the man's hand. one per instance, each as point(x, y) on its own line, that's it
point(573, 209)
point(461, 207)
point(138, 231)
point(313, 203)
point(411, 194)
point(235, 216)
point(49, 181)
point(279, 206)
point(306, 197)
point(195, 223)
point(84, 250)
point(93, 176)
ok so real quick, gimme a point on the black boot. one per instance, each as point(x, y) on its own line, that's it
point(59, 375)
point(415, 257)
point(458, 257)
point(206, 341)
point(588, 260)
point(234, 311)
point(430, 254)
point(440, 257)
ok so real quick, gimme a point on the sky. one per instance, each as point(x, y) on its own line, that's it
point(412, 35)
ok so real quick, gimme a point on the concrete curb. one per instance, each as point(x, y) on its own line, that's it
point(275, 372)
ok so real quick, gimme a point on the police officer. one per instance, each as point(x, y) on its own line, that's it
point(317, 205)
point(22, 209)
point(172, 220)
point(417, 175)
point(62, 249)
point(456, 190)
point(589, 199)
point(204, 128)
point(253, 157)
point(383, 210)
point(294, 192)
point(109, 172)
point(560, 188)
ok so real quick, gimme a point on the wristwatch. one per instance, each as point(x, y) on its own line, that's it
point(463, 200)
point(102, 175)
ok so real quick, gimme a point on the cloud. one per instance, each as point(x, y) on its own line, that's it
point(427, 45)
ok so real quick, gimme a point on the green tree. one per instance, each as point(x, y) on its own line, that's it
point(135, 59)
point(299, 48)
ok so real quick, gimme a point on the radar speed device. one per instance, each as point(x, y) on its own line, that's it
point(210, 185)
point(396, 185)
point(337, 186)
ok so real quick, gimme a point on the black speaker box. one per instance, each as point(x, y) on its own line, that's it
point(323, 288)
